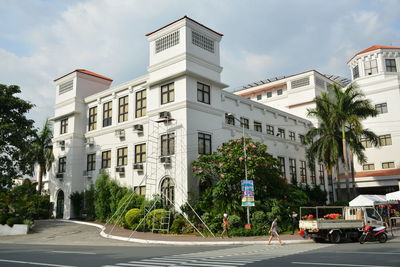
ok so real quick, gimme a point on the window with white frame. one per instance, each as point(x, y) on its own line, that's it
point(167, 144)
point(204, 144)
point(269, 94)
point(244, 123)
point(356, 72)
point(385, 140)
point(257, 126)
point(92, 118)
point(303, 171)
point(369, 167)
point(292, 136)
point(122, 156)
point(203, 93)
point(390, 65)
point(140, 153)
point(371, 67)
point(281, 162)
point(64, 126)
point(62, 164)
point(381, 108)
point(259, 97)
point(106, 159)
point(270, 129)
point(279, 91)
point(91, 162)
point(229, 119)
point(388, 165)
point(292, 171)
point(167, 93)
point(281, 133)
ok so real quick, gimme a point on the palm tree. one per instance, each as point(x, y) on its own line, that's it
point(324, 141)
point(350, 107)
point(42, 152)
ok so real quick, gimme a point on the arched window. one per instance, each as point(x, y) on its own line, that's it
point(60, 205)
point(168, 192)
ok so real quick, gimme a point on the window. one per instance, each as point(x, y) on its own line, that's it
point(303, 171)
point(229, 119)
point(168, 144)
point(64, 126)
point(381, 108)
point(329, 179)
point(140, 190)
point(390, 65)
point(106, 159)
point(91, 162)
point(65, 87)
point(244, 123)
point(302, 138)
point(167, 93)
point(204, 143)
point(257, 126)
point(167, 192)
point(202, 42)
point(356, 72)
point(281, 133)
point(270, 129)
point(259, 97)
point(387, 165)
point(292, 171)
point(167, 41)
point(292, 136)
point(92, 118)
point(385, 140)
point(371, 67)
point(62, 164)
point(313, 177)
point(123, 109)
point(107, 114)
point(281, 162)
point(122, 156)
point(279, 92)
point(321, 174)
point(300, 82)
point(203, 93)
point(141, 103)
point(140, 153)
point(269, 94)
point(369, 167)
point(366, 143)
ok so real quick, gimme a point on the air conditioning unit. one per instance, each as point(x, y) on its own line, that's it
point(138, 127)
point(120, 169)
point(89, 141)
point(165, 115)
point(60, 175)
point(165, 160)
point(61, 144)
point(120, 133)
point(138, 166)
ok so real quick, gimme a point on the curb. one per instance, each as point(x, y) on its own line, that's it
point(180, 243)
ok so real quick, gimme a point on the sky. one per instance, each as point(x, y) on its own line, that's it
point(41, 40)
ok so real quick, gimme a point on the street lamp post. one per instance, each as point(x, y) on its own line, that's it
point(245, 160)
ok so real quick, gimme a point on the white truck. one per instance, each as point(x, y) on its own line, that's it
point(348, 226)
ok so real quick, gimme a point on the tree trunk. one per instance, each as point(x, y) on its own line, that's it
point(346, 164)
point(40, 183)
point(338, 189)
point(353, 181)
point(330, 171)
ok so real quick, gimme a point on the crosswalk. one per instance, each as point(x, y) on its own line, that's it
point(231, 257)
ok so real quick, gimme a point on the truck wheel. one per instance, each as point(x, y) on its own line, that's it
point(383, 238)
point(335, 237)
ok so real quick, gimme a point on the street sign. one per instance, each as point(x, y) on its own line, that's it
point(248, 193)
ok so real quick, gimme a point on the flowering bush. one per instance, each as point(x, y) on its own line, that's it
point(333, 216)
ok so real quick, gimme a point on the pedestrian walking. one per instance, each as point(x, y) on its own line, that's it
point(274, 232)
point(225, 225)
point(295, 221)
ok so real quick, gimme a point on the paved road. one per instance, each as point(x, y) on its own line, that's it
point(69, 245)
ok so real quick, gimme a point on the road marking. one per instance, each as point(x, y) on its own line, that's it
point(36, 263)
point(73, 252)
point(365, 252)
point(138, 264)
point(338, 264)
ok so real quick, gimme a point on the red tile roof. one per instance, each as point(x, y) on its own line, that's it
point(88, 73)
point(374, 47)
point(184, 17)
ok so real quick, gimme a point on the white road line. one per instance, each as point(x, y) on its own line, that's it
point(137, 264)
point(371, 253)
point(338, 264)
point(73, 252)
point(35, 263)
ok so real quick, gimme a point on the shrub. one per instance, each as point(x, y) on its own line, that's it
point(3, 219)
point(14, 220)
point(234, 220)
point(132, 218)
point(155, 217)
point(178, 225)
point(128, 202)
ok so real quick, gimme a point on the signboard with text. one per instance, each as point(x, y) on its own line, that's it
point(247, 193)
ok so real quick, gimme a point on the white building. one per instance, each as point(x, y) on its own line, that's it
point(146, 132)
point(376, 70)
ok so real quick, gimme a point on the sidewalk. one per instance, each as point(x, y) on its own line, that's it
point(119, 233)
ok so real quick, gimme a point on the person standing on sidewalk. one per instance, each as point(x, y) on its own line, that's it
point(274, 232)
point(295, 221)
point(225, 225)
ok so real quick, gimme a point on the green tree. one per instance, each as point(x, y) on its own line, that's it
point(42, 152)
point(350, 108)
point(16, 133)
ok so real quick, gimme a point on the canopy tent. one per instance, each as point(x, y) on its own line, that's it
point(368, 200)
point(393, 196)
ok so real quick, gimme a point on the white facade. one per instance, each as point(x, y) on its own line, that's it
point(379, 78)
point(184, 80)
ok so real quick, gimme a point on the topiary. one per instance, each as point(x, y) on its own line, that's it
point(132, 218)
point(14, 220)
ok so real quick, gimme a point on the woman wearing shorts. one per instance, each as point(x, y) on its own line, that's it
point(274, 232)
